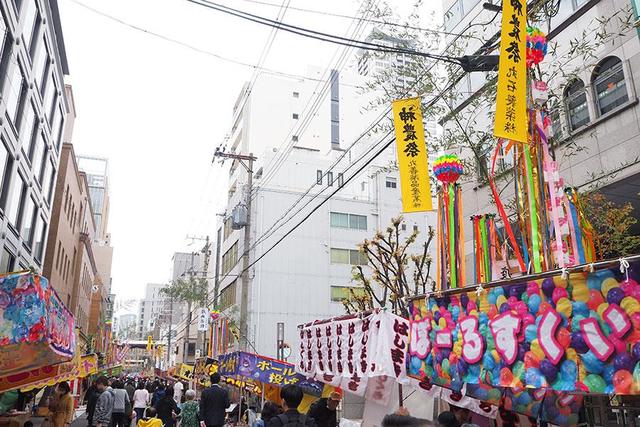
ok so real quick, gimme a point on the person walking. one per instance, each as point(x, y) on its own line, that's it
point(190, 408)
point(91, 397)
point(168, 409)
point(64, 407)
point(178, 387)
point(104, 405)
point(323, 411)
point(291, 396)
point(214, 403)
point(120, 403)
point(140, 401)
point(269, 410)
point(158, 394)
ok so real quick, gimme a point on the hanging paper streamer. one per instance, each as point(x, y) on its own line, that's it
point(581, 229)
point(485, 244)
point(451, 273)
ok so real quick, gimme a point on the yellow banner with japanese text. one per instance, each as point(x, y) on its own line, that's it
point(511, 120)
point(413, 161)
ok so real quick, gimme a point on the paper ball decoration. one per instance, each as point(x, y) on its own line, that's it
point(447, 168)
point(536, 46)
point(214, 315)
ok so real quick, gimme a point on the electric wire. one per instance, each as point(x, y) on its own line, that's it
point(318, 35)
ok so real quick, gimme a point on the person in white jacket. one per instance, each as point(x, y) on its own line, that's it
point(140, 401)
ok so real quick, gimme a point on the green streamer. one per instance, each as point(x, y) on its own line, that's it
point(452, 239)
point(485, 248)
point(533, 212)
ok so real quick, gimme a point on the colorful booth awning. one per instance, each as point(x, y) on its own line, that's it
point(36, 329)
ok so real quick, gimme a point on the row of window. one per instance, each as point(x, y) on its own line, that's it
point(230, 258)
point(609, 91)
point(227, 296)
point(64, 264)
point(330, 178)
point(341, 293)
point(344, 220)
point(348, 256)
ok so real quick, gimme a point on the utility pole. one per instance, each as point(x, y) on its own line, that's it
point(206, 250)
point(169, 338)
point(244, 295)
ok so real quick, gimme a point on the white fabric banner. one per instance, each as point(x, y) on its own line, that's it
point(347, 352)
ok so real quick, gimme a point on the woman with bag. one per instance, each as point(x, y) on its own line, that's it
point(63, 406)
point(121, 415)
point(190, 408)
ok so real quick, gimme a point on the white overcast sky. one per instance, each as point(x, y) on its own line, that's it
point(157, 110)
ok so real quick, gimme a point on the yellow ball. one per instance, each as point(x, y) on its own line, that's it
point(496, 355)
point(457, 348)
point(608, 284)
point(580, 291)
point(630, 305)
point(537, 350)
point(601, 308)
point(560, 281)
point(571, 354)
point(442, 323)
point(500, 300)
point(564, 306)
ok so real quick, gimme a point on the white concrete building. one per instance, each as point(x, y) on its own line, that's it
point(305, 276)
point(595, 108)
point(151, 308)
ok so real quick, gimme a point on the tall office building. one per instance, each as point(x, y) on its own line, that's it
point(33, 108)
point(152, 307)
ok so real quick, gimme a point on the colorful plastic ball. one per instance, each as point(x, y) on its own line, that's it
point(591, 363)
point(564, 337)
point(534, 303)
point(618, 344)
point(578, 343)
point(559, 293)
point(608, 284)
point(615, 296)
point(549, 370)
point(569, 371)
point(548, 287)
point(580, 308)
point(622, 382)
point(630, 305)
point(607, 373)
point(537, 350)
point(595, 383)
point(534, 378)
point(595, 299)
point(622, 361)
point(563, 306)
point(530, 360)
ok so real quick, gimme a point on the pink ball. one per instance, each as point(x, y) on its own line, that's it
point(527, 320)
point(627, 286)
point(533, 288)
point(559, 293)
point(618, 344)
point(471, 305)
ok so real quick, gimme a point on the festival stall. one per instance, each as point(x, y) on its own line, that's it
point(36, 330)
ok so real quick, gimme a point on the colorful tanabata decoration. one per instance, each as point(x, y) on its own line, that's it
point(36, 329)
point(536, 46)
point(485, 248)
point(451, 271)
point(571, 333)
point(215, 314)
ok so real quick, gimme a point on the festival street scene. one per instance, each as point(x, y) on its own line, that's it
point(340, 213)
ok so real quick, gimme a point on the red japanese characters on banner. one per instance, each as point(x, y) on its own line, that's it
point(347, 352)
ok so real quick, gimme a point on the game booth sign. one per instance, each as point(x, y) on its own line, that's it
point(535, 344)
point(36, 329)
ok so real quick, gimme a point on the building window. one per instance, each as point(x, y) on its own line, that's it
point(294, 138)
point(230, 258)
point(29, 26)
point(296, 94)
point(13, 207)
point(609, 85)
point(556, 125)
point(227, 296)
point(575, 98)
point(319, 177)
point(41, 64)
point(340, 180)
point(341, 293)
point(49, 96)
point(348, 256)
point(415, 228)
point(38, 155)
point(29, 125)
point(343, 220)
point(391, 183)
point(403, 226)
point(28, 217)
point(5, 162)
point(40, 235)
point(6, 261)
point(295, 116)
point(56, 126)
point(48, 175)
point(330, 179)
point(13, 89)
point(227, 228)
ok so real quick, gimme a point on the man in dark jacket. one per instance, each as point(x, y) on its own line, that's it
point(214, 403)
point(291, 397)
point(91, 396)
point(323, 411)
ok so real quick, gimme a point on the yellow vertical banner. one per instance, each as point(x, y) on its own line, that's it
point(149, 343)
point(511, 101)
point(413, 161)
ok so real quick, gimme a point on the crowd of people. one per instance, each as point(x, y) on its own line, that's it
point(130, 403)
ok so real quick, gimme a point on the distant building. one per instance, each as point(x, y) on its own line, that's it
point(33, 109)
point(97, 172)
point(151, 310)
point(70, 263)
point(371, 63)
point(125, 326)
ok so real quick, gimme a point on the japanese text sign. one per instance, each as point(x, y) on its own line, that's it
point(265, 370)
point(347, 352)
point(412, 155)
point(203, 319)
point(511, 103)
point(579, 333)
